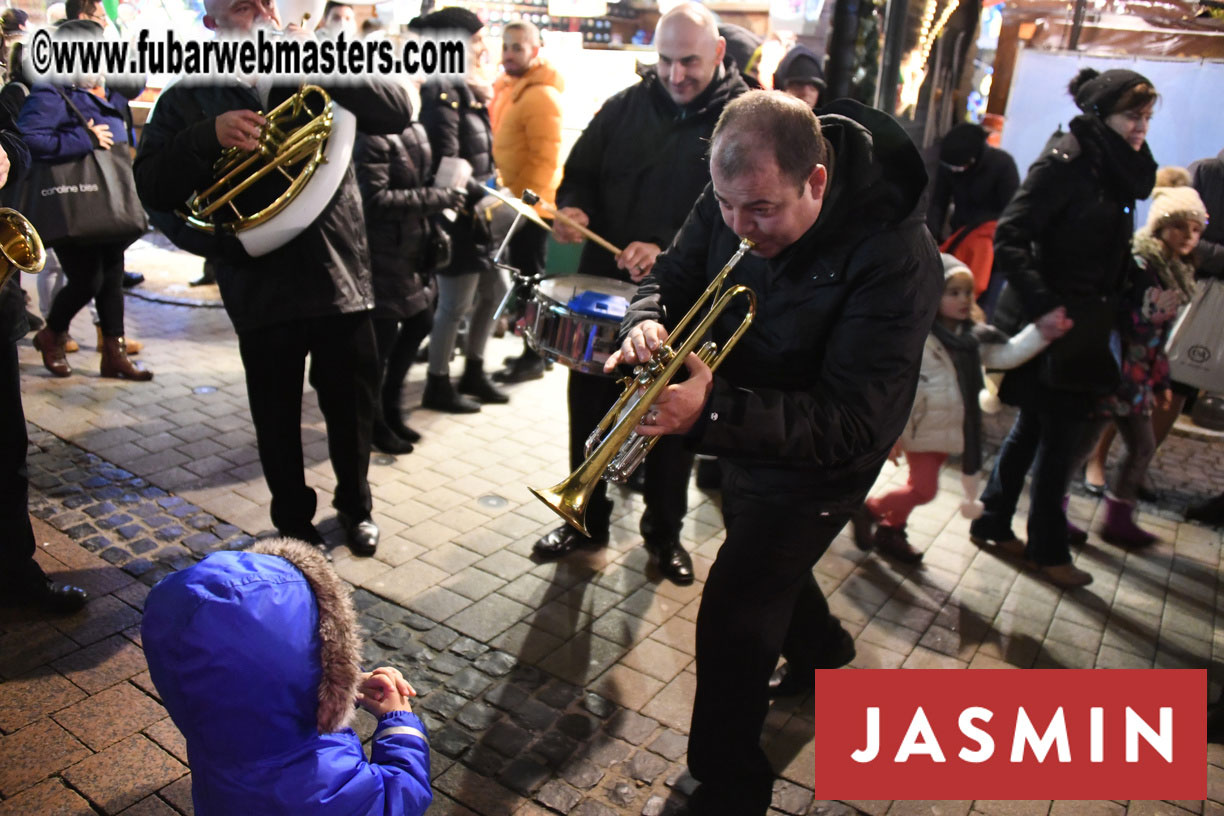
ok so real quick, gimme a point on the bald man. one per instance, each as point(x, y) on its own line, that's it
point(632, 177)
point(311, 297)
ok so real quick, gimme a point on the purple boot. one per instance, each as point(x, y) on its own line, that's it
point(1120, 527)
point(1075, 535)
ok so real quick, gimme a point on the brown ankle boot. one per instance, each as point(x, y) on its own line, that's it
point(115, 362)
point(132, 347)
point(51, 344)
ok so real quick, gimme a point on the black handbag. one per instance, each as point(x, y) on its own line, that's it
point(84, 201)
point(1085, 360)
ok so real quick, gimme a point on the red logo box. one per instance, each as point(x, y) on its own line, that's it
point(999, 734)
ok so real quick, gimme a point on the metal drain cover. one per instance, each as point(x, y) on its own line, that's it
point(204, 389)
point(492, 500)
point(382, 459)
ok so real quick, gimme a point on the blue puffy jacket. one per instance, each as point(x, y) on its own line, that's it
point(255, 657)
point(55, 134)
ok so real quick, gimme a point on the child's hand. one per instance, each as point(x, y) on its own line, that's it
point(384, 690)
point(1054, 324)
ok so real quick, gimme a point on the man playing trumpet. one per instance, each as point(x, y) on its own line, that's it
point(803, 412)
point(632, 176)
point(312, 296)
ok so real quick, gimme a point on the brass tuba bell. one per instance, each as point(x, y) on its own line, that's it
point(615, 448)
point(20, 245)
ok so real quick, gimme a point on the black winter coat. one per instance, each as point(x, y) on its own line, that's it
point(1208, 178)
point(393, 174)
point(976, 195)
point(458, 125)
point(640, 165)
point(1065, 240)
point(325, 270)
point(819, 388)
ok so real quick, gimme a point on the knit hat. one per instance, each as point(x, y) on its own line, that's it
point(954, 266)
point(741, 43)
point(451, 18)
point(1175, 204)
point(1098, 93)
point(1172, 176)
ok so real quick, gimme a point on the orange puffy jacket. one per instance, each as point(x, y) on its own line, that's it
point(526, 119)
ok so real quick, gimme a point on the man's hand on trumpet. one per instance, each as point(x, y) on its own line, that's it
point(566, 234)
point(638, 259)
point(678, 407)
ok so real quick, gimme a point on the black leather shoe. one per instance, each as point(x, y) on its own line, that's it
point(131, 279)
point(563, 541)
point(674, 561)
point(789, 682)
point(387, 441)
point(36, 322)
point(520, 370)
point(362, 535)
point(59, 599)
point(1209, 512)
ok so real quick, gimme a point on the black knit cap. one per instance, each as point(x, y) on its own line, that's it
point(451, 18)
point(963, 144)
point(1098, 93)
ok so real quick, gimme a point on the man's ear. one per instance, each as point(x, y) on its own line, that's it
point(818, 181)
point(210, 22)
point(720, 50)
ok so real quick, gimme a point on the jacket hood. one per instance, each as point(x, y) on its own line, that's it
point(799, 63)
point(541, 73)
point(878, 176)
point(254, 653)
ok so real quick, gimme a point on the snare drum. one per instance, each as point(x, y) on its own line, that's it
point(575, 319)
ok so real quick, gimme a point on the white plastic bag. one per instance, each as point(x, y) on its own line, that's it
point(1196, 344)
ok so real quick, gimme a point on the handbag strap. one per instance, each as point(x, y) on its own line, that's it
point(84, 122)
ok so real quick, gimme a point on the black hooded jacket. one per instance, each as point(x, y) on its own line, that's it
point(641, 163)
point(325, 270)
point(13, 325)
point(820, 386)
point(977, 194)
point(1208, 178)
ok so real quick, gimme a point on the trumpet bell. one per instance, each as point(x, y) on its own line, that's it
point(568, 500)
point(20, 245)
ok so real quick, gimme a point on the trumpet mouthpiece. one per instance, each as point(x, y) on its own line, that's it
point(530, 198)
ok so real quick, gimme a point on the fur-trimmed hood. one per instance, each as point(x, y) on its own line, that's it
point(254, 653)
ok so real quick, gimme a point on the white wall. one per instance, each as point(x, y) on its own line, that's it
point(1189, 120)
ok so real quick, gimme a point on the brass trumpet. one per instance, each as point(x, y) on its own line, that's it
point(20, 245)
point(615, 448)
point(294, 137)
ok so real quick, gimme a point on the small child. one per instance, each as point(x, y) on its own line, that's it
point(256, 657)
point(946, 417)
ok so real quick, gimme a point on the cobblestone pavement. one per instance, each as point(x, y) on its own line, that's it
point(548, 688)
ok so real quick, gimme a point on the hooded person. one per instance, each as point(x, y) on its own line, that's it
point(256, 658)
point(804, 410)
point(800, 75)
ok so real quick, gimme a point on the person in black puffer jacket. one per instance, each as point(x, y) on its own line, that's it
point(1064, 240)
point(392, 172)
point(456, 116)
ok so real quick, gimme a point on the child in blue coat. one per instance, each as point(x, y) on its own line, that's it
point(256, 657)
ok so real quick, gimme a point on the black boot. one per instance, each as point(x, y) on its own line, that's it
point(440, 395)
point(388, 441)
point(527, 366)
point(474, 383)
point(1209, 512)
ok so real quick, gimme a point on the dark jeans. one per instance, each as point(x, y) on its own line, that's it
point(398, 342)
point(759, 601)
point(1051, 444)
point(92, 273)
point(667, 467)
point(344, 374)
point(17, 565)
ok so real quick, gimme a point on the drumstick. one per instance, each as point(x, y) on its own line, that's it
point(531, 198)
